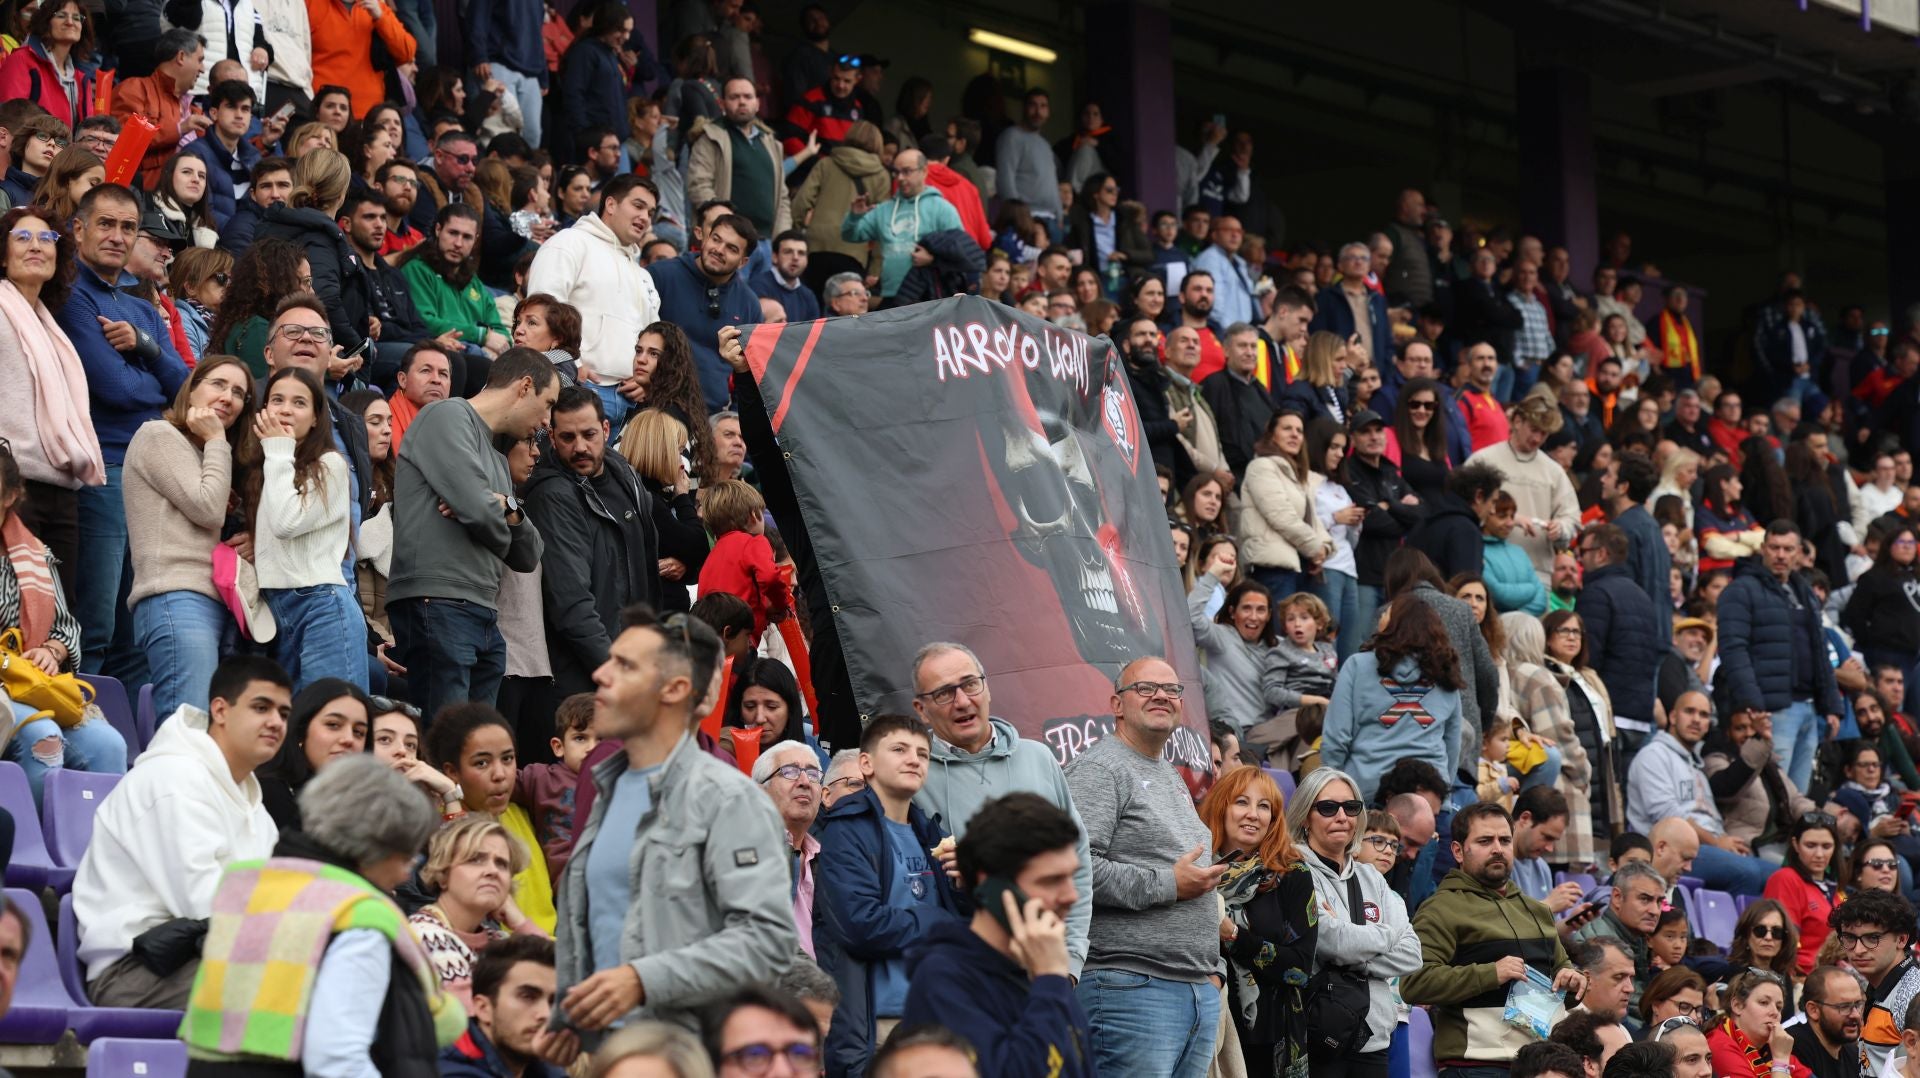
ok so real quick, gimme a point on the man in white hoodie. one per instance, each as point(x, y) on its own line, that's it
point(161, 839)
point(595, 266)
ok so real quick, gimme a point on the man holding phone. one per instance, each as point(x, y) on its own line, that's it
point(1000, 980)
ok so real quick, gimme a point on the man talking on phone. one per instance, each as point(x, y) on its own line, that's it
point(1000, 980)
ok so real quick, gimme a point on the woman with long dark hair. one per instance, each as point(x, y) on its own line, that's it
point(1768, 495)
point(373, 545)
point(328, 722)
point(1234, 641)
point(1203, 507)
point(1817, 508)
point(1408, 671)
point(1269, 897)
point(1882, 614)
point(1338, 583)
point(1280, 535)
point(664, 378)
point(765, 703)
point(1806, 884)
point(74, 172)
point(267, 272)
point(1418, 438)
point(180, 195)
point(1727, 532)
point(1765, 938)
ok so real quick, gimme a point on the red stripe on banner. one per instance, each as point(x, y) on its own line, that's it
point(799, 368)
point(761, 341)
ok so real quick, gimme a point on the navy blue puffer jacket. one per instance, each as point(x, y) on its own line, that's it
point(1624, 640)
point(1756, 642)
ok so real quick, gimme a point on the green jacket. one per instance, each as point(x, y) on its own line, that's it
point(470, 310)
point(1611, 927)
point(1464, 929)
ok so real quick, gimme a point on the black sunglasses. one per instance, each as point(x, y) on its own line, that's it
point(1770, 932)
point(713, 303)
point(1330, 809)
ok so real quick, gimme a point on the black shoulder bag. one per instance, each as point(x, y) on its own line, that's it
point(1337, 998)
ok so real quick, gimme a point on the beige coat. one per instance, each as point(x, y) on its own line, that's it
point(1745, 813)
point(826, 198)
point(1277, 525)
point(710, 170)
point(1542, 702)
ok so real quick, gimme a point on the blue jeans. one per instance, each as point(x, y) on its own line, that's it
point(1546, 774)
point(619, 409)
point(182, 633)
point(320, 633)
point(41, 745)
point(1281, 582)
point(1797, 731)
point(1148, 1027)
point(1730, 872)
point(526, 90)
point(1368, 614)
point(452, 649)
point(104, 574)
point(1341, 593)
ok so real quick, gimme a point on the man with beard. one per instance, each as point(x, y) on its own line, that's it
point(1161, 428)
point(1199, 443)
point(399, 181)
point(602, 551)
point(780, 280)
point(1826, 1037)
point(364, 219)
point(1668, 779)
point(441, 274)
point(827, 109)
point(1479, 933)
point(810, 63)
point(701, 293)
point(513, 988)
point(1632, 913)
point(424, 377)
point(1563, 590)
point(1196, 313)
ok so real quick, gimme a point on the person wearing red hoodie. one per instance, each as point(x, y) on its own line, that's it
point(957, 189)
point(741, 562)
point(1726, 428)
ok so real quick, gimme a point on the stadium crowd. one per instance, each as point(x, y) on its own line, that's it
point(386, 429)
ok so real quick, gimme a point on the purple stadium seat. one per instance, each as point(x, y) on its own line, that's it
point(1717, 916)
point(1741, 902)
point(112, 698)
point(1420, 1045)
point(40, 1003)
point(72, 797)
point(1282, 779)
point(32, 866)
point(1693, 909)
point(144, 720)
point(121, 1057)
point(90, 1022)
point(1584, 879)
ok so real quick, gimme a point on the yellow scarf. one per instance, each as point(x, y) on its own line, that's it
point(1678, 344)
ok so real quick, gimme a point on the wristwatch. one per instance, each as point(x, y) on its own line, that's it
point(453, 796)
point(512, 505)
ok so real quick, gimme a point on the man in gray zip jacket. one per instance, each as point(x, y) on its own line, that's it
point(977, 758)
point(676, 894)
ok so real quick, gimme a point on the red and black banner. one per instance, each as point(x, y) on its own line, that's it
point(971, 473)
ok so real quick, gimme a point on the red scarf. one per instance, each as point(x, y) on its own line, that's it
point(404, 411)
point(1678, 345)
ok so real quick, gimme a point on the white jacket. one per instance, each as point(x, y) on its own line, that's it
point(162, 838)
point(217, 19)
point(587, 266)
point(292, 40)
point(300, 538)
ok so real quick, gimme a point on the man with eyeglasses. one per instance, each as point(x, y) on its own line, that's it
point(1874, 929)
point(843, 778)
point(34, 143)
point(1152, 976)
point(1826, 1034)
point(900, 224)
point(1478, 934)
point(759, 1032)
point(399, 181)
point(789, 772)
point(847, 295)
point(456, 157)
point(133, 371)
point(979, 757)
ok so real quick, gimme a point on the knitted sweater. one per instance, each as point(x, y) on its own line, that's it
point(1541, 491)
point(176, 499)
point(301, 534)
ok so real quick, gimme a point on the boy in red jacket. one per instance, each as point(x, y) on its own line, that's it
point(741, 562)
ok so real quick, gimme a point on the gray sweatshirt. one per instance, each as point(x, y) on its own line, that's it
point(1140, 820)
point(1025, 169)
point(448, 456)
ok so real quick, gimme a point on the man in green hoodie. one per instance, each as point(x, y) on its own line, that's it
point(899, 223)
point(977, 758)
point(1479, 933)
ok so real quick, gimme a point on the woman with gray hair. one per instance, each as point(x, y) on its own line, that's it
point(1543, 706)
point(311, 931)
point(1328, 822)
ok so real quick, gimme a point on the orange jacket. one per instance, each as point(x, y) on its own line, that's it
point(155, 97)
point(342, 35)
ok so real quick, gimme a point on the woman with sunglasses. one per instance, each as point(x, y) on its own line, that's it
point(1328, 822)
point(1766, 938)
point(198, 282)
point(1268, 893)
point(1748, 1039)
point(1410, 671)
point(1807, 884)
point(52, 439)
point(1674, 993)
point(1417, 441)
point(1875, 866)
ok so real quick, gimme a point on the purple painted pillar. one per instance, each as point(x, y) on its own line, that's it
point(646, 23)
point(1130, 73)
point(1558, 200)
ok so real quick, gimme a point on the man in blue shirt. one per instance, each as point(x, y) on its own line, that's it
point(1539, 822)
point(780, 280)
point(133, 373)
point(702, 292)
point(879, 888)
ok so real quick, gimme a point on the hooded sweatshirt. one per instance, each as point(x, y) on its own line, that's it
point(959, 782)
point(1375, 720)
point(1383, 948)
point(1018, 1026)
point(1465, 928)
point(587, 265)
point(898, 225)
point(162, 838)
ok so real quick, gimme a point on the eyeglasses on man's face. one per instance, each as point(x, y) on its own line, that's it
point(319, 334)
point(1147, 690)
point(973, 685)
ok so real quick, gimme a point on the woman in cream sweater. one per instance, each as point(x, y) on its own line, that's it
point(300, 501)
point(178, 479)
point(1281, 536)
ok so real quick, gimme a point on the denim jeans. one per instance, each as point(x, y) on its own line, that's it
point(619, 409)
point(1341, 593)
point(452, 649)
point(182, 633)
point(1368, 614)
point(321, 632)
point(1280, 582)
point(1148, 1027)
point(41, 745)
point(525, 89)
point(1730, 872)
point(1546, 774)
point(1797, 730)
point(102, 562)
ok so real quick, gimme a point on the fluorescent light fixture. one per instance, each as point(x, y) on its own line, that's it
point(1002, 43)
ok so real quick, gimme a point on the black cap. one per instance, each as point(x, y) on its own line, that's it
point(868, 59)
point(1559, 438)
point(1366, 417)
point(156, 224)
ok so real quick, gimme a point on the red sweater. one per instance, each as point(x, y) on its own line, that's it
point(741, 563)
point(1808, 906)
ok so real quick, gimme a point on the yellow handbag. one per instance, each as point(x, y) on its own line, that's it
point(63, 697)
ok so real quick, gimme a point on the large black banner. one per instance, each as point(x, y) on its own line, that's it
point(971, 473)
